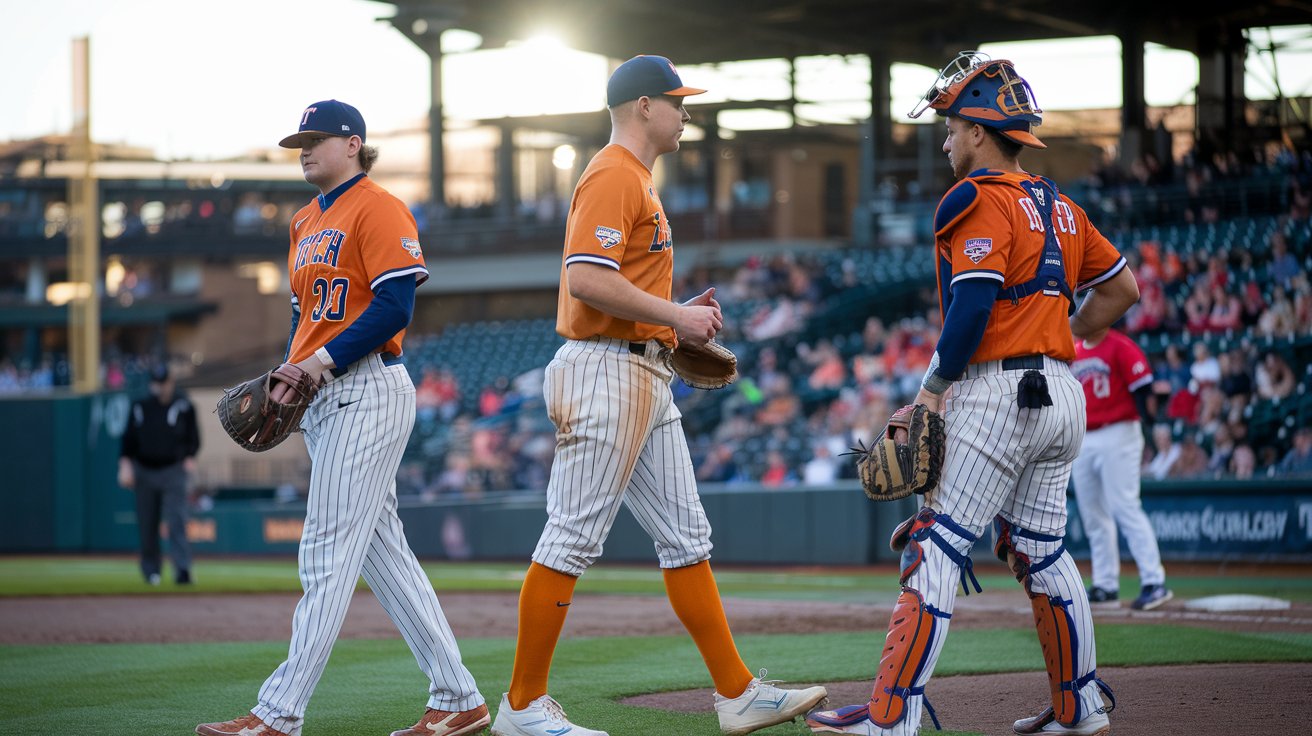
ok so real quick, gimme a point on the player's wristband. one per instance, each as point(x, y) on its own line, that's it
point(933, 382)
point(325, 358)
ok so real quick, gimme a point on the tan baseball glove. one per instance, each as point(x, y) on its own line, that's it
point(709, 366)
point(894, 467)
point(254, 420)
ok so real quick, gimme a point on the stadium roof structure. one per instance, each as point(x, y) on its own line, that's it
point(926, 32)
point(917, 31)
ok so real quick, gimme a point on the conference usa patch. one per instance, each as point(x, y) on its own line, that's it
point(977, 248)
point(609, 237)
point(412, 247)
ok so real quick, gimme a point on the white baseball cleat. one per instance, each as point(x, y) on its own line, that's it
point(1095, 724)
point(542, 717)
point(762, 705)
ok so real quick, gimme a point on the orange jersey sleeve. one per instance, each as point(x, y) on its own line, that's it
point(341, 250)
point(999, 235)
point(616, 220)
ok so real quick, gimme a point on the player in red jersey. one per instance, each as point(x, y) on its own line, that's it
point(1117, 382)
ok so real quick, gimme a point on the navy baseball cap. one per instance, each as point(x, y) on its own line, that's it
point(645, 76)
point(329, 117)
point(159, 373)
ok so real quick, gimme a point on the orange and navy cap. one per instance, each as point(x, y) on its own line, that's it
point(645, 76)
point(329, 117)
point(987, 92)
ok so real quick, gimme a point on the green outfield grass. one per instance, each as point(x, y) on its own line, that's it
point(373, 686)
point(42, 575)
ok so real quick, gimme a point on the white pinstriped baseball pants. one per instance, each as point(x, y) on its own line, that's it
point(355, 431)
point(618, 440)
point(1002, 459)
point(1106, 478)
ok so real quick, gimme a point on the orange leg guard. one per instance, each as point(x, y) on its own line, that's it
point(1057, 638)
point(906, 648)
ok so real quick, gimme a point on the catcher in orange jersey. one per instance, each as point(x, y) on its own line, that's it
point(618, 436)
point(1011, 251)
point(354, 262)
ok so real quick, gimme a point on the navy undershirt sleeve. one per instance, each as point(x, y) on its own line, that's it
point(390, 311)
point(971, 303)
point(296, 320)
point(1141, 396)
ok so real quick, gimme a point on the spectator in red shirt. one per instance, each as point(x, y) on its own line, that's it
point(1227, 314)
point(1184, 404)
point(1197, 308)
point(777, 473)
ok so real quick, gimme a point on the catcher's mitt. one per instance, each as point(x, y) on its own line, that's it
point(254, 420)
point(890, 470)
point(710, 365)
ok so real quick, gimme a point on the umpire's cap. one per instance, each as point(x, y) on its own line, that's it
point(645, 76)
point(330, 117)
point(988, 92)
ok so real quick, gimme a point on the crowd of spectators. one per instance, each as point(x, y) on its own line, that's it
point(1201, 187)
point(118, 372)
point(1223, 322)
point(1220, 321)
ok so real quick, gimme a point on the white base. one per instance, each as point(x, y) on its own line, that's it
point(1217, 603)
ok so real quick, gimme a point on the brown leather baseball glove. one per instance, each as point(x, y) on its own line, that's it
point(254, 420)
point(709, 365)
point(890, 469)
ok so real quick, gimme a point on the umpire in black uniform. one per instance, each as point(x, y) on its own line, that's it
point(159, 451)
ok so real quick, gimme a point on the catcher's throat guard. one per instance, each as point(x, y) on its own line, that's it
point(986, 91)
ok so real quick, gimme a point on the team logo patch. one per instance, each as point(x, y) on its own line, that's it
point(977, 248)
point(412, 247)
point(609, 237)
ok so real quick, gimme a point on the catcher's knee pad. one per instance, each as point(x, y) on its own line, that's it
point(950, 537)
point(1033, 558)
point(907, 648)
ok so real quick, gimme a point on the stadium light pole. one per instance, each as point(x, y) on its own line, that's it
point(84, 232)
point(424, 28)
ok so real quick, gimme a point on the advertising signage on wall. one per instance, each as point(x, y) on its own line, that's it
point(1222, 526)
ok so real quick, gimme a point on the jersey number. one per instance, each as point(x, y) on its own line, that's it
point(1102, 386)
point(330, 299)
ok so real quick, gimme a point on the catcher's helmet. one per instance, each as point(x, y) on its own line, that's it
point(989, 92)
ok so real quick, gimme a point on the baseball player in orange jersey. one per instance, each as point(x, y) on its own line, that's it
point(1009, 249)
point(618, 436)
point(354, 262)
point(1117, 381)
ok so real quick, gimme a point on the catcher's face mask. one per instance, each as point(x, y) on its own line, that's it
point(985, 91)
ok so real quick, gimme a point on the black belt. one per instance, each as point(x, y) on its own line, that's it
point(1023, 363)
point(388, 359)
point(638, 348)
